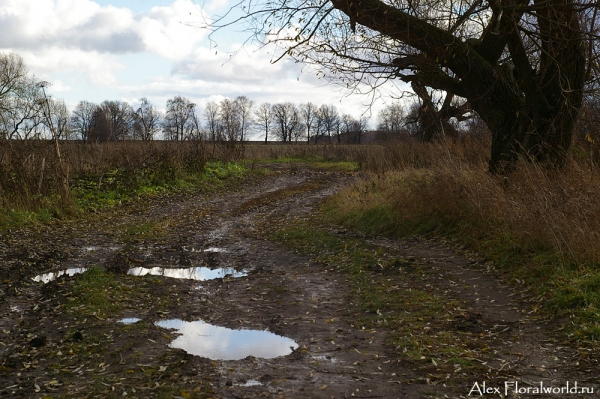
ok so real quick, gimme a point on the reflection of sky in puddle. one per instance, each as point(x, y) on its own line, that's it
point(47, 277)
point(214, 249)
point(220, 343)
point(129, 320)
point(97, 248)
point(189, 273)
point(325, 358)
point(210, 249)
point(251, 383)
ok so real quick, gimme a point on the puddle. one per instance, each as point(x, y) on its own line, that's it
point(188, 273)
point(325, 359)
point(251, 383)
point(214, 249)
point(47, 277)
point(97, 248)
point(129, 320)
point(210, 249)
point(220, 343)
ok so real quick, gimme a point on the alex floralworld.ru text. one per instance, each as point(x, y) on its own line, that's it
point(513, 387)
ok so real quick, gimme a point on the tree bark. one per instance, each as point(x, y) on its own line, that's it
point(530, 110)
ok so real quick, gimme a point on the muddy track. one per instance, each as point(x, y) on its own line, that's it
point(283, 292)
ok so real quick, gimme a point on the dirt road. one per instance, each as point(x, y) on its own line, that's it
point(197, 262)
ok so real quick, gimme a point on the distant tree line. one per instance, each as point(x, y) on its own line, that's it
point(27, 113)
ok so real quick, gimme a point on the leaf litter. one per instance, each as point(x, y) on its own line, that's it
point(419, 320)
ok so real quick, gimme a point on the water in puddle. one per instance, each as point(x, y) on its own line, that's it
point(47, 277)
point(214, 249)
point(251, 383)
point(210, 249)
point(129, 320)
point(325, 358)
point(220, 343)
point(188, 273)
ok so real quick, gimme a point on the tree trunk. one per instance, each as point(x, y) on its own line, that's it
point(530, 103)
point(542, 129)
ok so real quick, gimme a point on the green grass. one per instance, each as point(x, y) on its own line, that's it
point(150, 230)
point(317, 162)
point(118, 186)
point(97, 292)
point(97, 193)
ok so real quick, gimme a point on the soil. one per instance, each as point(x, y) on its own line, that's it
point(50, 349)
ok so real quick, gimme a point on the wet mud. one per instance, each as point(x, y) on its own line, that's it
point(242, 317)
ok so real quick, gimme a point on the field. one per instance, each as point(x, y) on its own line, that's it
point(397, 270)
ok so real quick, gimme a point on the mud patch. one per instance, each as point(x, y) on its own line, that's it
point(220, 343)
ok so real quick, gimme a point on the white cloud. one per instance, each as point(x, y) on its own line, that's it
point(83, 49)
point(65, 35)
point(58, 86)
point(84, 25)
point(262, 83)
point(98, 68)
point(249, 66)
point(168, 31)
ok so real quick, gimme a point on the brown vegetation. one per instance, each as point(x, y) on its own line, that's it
point(532, 206)
point(31, 177)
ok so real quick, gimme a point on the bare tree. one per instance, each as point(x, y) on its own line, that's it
point(119, 118)
point(179, 119)
point(243, 106)
point(346, 125)
point(329, 120)
point(308, 113)
point(391, 118)
point(286, 120)
point(147, 121)
point(195, 127)
point(264, 118)
point(230, 121)
point(521, 64)
point(100, 129)
point(21, 100)
point(13, 74)
point(359, 127)
point(82, 119)
point(211, 116)
point(60, 119)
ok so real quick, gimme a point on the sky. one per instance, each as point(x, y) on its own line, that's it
point(98, 50)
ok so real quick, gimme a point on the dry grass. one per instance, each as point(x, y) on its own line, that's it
point(535, 206)
point(539, 225)
point(31, 177)
point(303, 151)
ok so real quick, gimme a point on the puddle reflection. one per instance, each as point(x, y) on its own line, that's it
point(47, 277)
point(129, 320)
point(251, 383)
point(209, 249)
point(188, 273)
point(325, 358)
point(220, 343)
point(214, 249)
